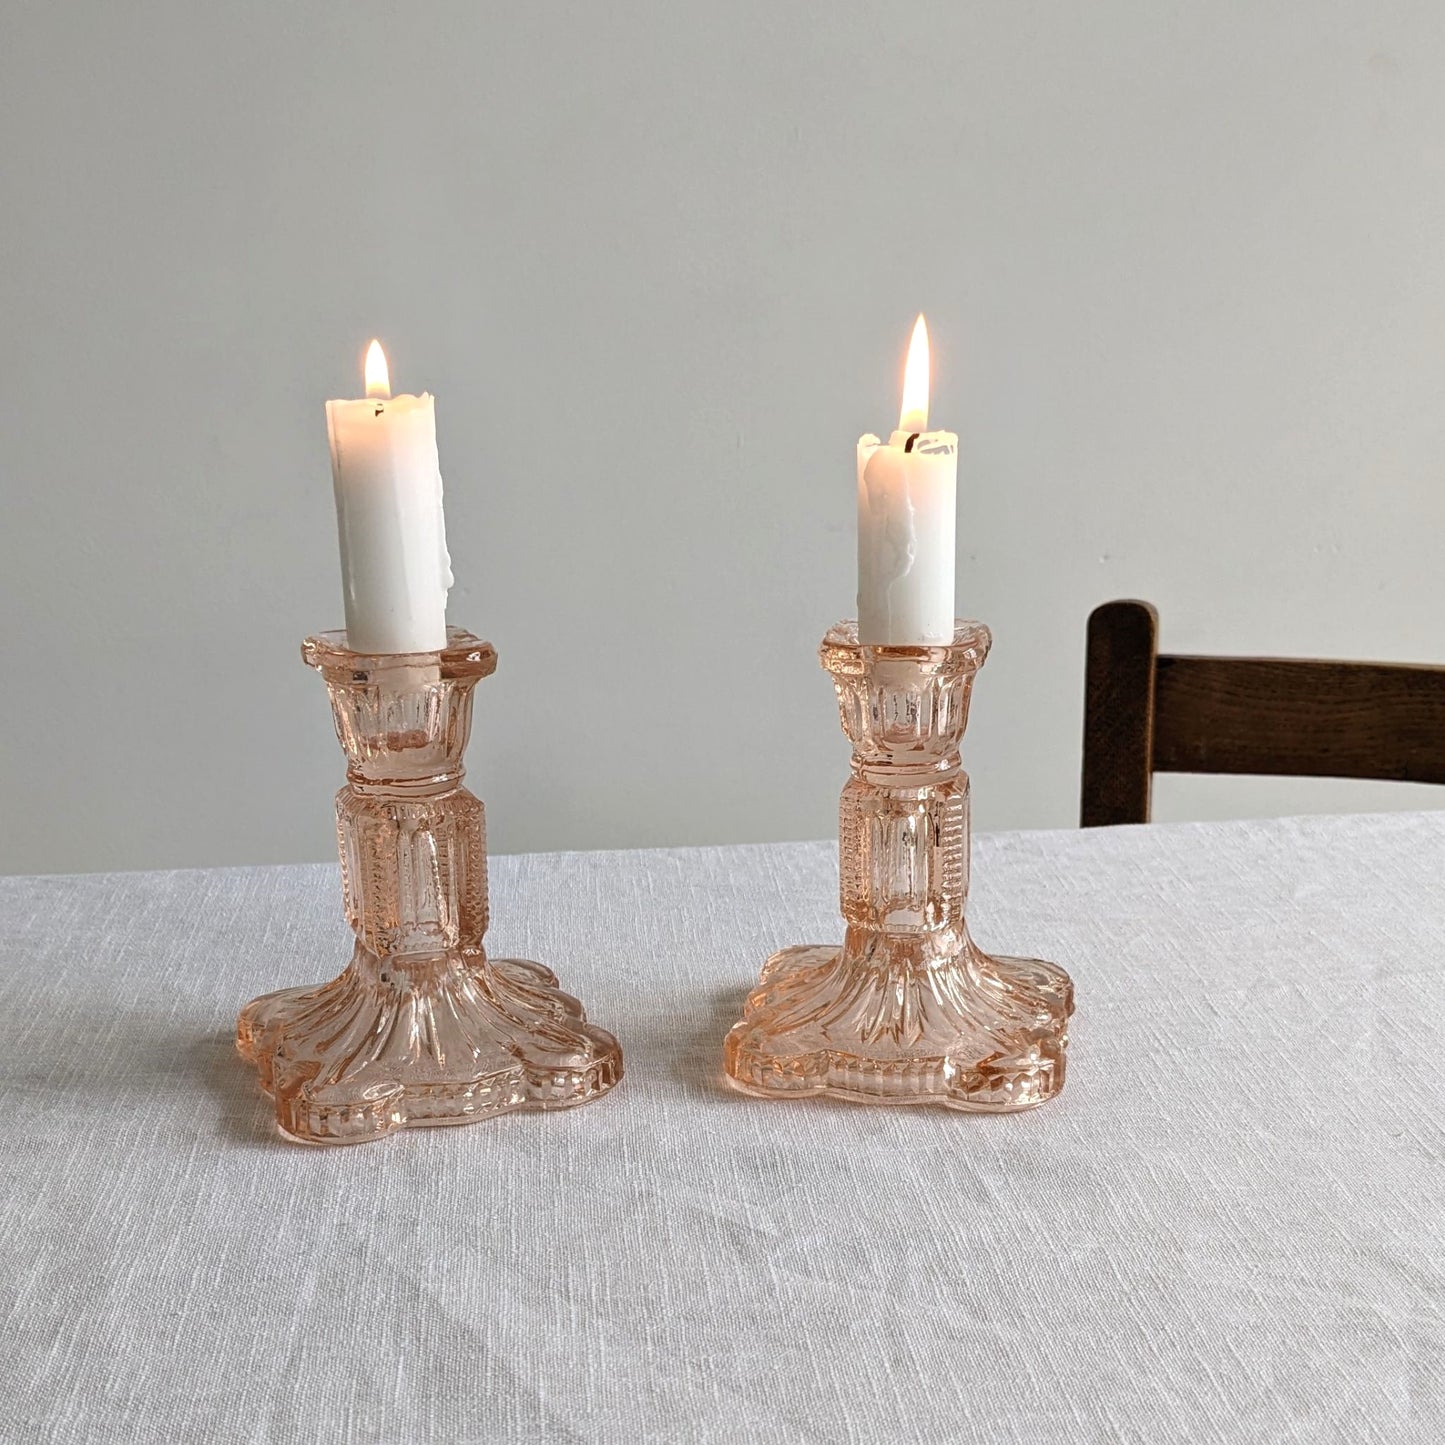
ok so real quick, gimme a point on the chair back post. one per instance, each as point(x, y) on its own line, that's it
point(1119, 714)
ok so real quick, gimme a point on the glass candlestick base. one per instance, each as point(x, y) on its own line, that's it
point(422, 1028)
point(909, 1010)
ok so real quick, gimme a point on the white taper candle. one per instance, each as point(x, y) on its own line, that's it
point(907, 509)
point(395, 570)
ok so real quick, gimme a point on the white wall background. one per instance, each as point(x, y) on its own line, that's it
point(1184, 266)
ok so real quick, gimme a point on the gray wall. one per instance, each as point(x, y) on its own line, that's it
point(1184, 265)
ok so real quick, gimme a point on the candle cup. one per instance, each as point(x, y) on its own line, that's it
point(421, 1028)
point(910, 1010)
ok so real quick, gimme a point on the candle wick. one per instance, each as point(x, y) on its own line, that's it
point(908, 445)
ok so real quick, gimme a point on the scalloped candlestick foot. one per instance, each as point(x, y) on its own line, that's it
point(909, 1010)
point(976, 1033)
point(421, 1028)
point(450, 1042)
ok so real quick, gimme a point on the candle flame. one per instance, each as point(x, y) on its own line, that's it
point(378, 379)
point(914, 417)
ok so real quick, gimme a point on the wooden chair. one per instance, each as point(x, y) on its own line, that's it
point(1148, 712)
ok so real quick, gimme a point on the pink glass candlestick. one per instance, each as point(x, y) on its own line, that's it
point(910, 1010)
point(421, 1027)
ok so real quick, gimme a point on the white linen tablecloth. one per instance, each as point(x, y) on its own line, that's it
point(1228, 1228)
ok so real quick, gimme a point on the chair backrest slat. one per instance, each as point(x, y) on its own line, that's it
point(1299, 718)
point(1148, 712)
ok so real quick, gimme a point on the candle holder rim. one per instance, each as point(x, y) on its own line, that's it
point(970, 638)
point(465, 656)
